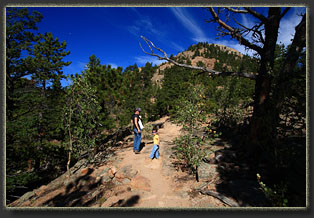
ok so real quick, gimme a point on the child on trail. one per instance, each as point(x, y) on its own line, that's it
point(155, 151)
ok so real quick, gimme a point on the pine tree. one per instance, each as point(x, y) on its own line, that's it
point(45, 64)
point(20, 25)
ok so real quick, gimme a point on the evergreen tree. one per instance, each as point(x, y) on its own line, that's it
point(45, 63)
point(20, 25)
point(106, 81)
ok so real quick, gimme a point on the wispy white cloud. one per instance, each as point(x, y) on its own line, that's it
point(286, 28)
point(135, 10)
point(286, 31)
point(288, 24)
point(143, 26)
point(190, 24)
point(140, 60)
point(179, 48)
point(135, 30)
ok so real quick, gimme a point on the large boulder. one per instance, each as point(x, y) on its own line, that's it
point(207, 172)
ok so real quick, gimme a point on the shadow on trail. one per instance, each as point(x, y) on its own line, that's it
point(127, 203)
point(233, 172)
point(142, 145)
point(238, 172)
point(76, 192)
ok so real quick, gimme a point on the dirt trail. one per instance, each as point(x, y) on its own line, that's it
point(161, 189)
point(126, 179)
point(158, 183)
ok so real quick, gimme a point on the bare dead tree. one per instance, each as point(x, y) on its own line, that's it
point(263, 38)
point(264, 34)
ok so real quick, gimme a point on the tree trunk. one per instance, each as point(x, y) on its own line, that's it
point(69, 161)
point(291, 60)
point(267, 108)
point(40, 126)
point(70, 137)
point(260, 126)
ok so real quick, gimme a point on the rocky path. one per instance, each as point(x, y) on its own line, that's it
point(158, 183)
point(154, 180)
point(126, 179)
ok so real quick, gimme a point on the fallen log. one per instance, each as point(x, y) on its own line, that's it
point(221, 197)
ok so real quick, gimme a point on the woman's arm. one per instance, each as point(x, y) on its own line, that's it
point(136, 125)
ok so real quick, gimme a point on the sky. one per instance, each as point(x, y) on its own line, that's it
point(112, 34)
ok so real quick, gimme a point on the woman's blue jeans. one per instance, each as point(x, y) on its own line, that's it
point(137, 140)
point(155, 152)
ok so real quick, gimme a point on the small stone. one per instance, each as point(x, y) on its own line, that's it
point(112, 172)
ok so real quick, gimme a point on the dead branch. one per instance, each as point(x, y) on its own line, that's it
point(284, 12)
point(201, 69)
point(237, 10)
point(221, 197)
point(257, 15)
point(256, 33)
point(234, 33)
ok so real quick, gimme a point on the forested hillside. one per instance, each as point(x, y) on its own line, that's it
point(50, 127)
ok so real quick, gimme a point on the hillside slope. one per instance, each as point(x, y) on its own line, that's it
point(125, 179)
point(201, 53)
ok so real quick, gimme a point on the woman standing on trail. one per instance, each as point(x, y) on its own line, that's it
point(137, 131)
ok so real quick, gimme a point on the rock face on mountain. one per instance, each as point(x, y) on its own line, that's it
point(196, 57)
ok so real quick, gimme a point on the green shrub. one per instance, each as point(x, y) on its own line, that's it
point(276, 195)
point(147, 131)
point(21, 179)
point(188, 149)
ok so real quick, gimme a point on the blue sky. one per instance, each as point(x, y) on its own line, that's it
point(113, 33)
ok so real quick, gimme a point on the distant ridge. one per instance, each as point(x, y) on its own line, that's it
point(196, 54)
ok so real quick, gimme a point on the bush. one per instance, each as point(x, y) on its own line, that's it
point(189, 150)
point(147, 131)
point(21, 179)
point(276, 195)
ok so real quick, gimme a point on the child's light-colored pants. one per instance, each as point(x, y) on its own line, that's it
point(155, 152)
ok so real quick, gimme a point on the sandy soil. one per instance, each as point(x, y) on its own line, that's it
point(165, 186)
